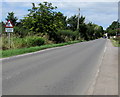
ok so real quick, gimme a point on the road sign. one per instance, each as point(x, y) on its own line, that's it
point(9, 24)
point(8, 29)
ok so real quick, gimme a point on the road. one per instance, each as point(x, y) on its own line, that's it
point(67, 70)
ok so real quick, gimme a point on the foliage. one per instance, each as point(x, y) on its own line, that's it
point(112, 29)
point(87, 31)
point(17, 42)
point(98, 31)
point(12, 18)
point(43, 19)
point(68, 35)
point(19, 30)
point(34, 41)
point(72, 22)
point(114, 25)
point(2, 27)
point(44, 25)
point(116, 41)
point(91, 31)
point(13, 52)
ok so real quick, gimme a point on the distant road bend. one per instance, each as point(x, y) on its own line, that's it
point(67, 70)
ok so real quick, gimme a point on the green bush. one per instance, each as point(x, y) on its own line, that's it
point(4, 43)
point(117, 39)
point(34, 41)
point(17, 42)
point(69, 35)
point(65, 32)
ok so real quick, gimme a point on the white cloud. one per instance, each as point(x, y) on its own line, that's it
point(0, 11)
point(17, 4)
point(102, 13)
point(18, 13)
point(20, 9)
point(102, 19)
point(61, 0)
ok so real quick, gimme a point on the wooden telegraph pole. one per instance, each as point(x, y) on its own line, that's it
point(78, 19)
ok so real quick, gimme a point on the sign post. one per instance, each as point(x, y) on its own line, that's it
point(9, 40)
point(9, 29)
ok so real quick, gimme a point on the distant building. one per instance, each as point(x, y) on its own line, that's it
point(105, 35)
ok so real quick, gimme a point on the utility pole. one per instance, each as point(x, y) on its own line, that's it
point(78, 18)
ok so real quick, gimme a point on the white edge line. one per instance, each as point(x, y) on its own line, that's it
point(97, 74)
point(90, 90)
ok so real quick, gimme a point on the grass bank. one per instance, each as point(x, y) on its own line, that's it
point(13, 52)
point(115, 42)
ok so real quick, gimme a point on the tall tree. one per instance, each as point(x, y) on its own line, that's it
point(113, 28)
point(72, 21)
point(2, 27)
point(114, 25)
point(12, 18)
point(91, 31)
point(44, 19)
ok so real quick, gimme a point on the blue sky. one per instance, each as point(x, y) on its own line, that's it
point(101, 13)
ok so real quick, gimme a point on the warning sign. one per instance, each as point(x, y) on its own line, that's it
point(9, 24)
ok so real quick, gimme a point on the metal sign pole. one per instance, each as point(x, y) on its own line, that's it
point(9, 40)
point(9, 29)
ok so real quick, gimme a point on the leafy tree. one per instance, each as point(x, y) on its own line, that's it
point(72, 21)
point(61, 20)
point(91, 31)
point(68, 35)
point(113, 26)
point(2, 27)
point(44, 19)
point(20, 30)
point(112, 29)
point(99, 32)
point(83, 31)
point(12, 18)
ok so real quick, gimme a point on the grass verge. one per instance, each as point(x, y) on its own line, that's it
point(13, 52)
point(115, 43)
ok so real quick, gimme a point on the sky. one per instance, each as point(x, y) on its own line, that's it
point(101, 12)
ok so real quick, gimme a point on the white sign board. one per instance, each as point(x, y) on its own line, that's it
point(8, 29)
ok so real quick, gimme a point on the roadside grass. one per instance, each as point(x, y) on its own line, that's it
point(115, 43)
point(13, 52)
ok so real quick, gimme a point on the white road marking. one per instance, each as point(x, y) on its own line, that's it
point(91, 88)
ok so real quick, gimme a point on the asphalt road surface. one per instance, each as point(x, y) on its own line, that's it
point(67, 70)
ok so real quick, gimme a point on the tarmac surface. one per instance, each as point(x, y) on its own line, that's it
point(68, 70)
point(106, 82)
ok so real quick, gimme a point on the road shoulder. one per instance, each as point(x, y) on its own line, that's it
point(106, 82)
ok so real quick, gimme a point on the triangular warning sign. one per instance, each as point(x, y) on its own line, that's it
point(9, 24)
